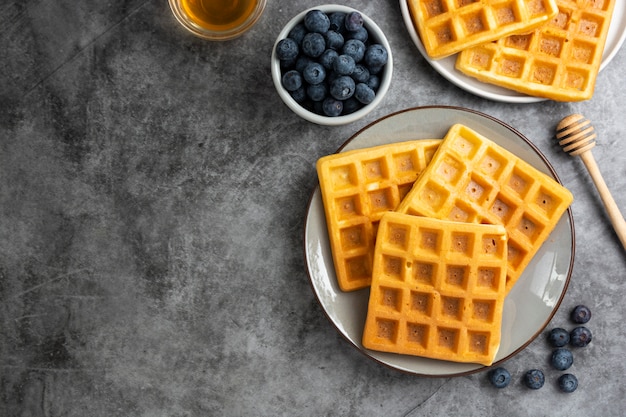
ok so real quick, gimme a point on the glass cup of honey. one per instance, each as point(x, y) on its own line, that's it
point(217, 19)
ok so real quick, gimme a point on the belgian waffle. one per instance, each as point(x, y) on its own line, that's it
point(449, 26)
point(558, 61)
point(357, 188)
point(438, 289)
point(472, 179)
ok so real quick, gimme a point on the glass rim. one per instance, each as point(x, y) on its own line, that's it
point(223, 35)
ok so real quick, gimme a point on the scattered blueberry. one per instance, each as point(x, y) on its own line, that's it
point(292, 80)
point(558, 337)
point(580, 336)
point(332, 107)
point(355, 48)
point(334, 40)
point(325, 63)
point(364, 94)
point(353, 21)
point(316, 21)
point(344, 65)
point(534, 379)
point(499, 377)
point(314, 73)
point(287, 49)
point(313, 44)
point(581, 314)
point(562, 359)
point(568, 383)
point(376, 56)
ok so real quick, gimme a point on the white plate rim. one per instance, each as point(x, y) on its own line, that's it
point(445, 66)
point(310, 257)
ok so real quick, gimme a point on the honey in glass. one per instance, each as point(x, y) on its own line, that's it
point(218, 15)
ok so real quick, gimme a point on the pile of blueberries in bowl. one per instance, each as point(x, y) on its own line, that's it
point(331, 65)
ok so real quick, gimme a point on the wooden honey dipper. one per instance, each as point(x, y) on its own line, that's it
point(576, 136)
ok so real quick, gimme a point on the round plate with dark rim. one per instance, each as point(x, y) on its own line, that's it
point(529, 306)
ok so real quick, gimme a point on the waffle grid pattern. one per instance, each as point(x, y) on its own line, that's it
point(357, 188)
point(438, 289)
point(471, 179)
point(449, 26)
point(559, 60)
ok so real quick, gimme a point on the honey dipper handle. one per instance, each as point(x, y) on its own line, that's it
point(609, 203)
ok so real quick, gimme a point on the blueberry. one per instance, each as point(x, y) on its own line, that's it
point(287, 49)
point(361, 34)
point(351, 105)
point(317, 92)
point(561, 359)
point(580, 337)
point(302, 62)
point(342, 88)
point(534, 379)
point(364, 94)
point(375, 70)
point(299, 95)
point(292, 80)
point(337, 21)
point(353, 21)
point(568, 383)
point(313, 44)
point(314, 73)
point(558, 337)
point(499, 377)
point(297, 33)
point(316, 21)
point(373, 82)
point(334, 40)
point(344, 65)
point(354, 48)
point(376, 56)
point(287, 64)
point(328, 58)
point(360, 74)
point(332, 107)
point(581, 314)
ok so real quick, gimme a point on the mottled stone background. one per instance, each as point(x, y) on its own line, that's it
point(153, 189)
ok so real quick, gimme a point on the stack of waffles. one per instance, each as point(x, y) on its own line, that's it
point(545, 48)
point(439, 231)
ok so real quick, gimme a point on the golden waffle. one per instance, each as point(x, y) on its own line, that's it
point(471, 179)
point(449, 26)
point(438, 289)
point(357, 188)
point(559, 61)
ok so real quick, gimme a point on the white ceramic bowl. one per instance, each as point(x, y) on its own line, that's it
point(376, 35)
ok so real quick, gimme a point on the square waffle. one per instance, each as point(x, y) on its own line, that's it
point(357, 188)
point(472, 179)
point(558, 61)
point(449, 26)
point(438, 289)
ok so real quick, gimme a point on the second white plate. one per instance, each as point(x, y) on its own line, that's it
point(445, 66)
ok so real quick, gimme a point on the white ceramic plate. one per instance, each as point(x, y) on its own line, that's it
point(531, 303)
point(445, 66)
